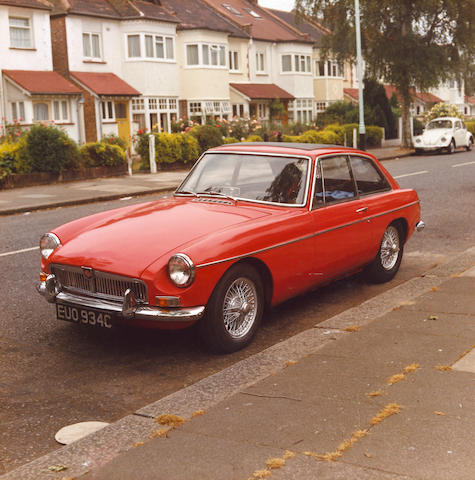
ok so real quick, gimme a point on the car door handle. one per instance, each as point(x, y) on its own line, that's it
point(362, 209)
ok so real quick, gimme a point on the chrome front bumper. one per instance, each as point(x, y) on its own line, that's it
point(420, 226)
point(129, 309)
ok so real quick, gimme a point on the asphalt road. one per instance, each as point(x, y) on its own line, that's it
point(53, 374)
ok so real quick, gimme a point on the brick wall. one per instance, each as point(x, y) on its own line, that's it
point(59, 45)
point(89, 117)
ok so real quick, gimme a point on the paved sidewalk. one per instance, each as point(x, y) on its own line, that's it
point(20, 200)
point(383, 391)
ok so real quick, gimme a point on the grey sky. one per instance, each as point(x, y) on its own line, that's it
point(278, 4)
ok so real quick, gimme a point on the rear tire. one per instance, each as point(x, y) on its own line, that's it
point(234, 310)
point(469, 145)
point(386, 263)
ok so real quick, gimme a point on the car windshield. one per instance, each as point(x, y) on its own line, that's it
point(267, 178)
point(439, 124)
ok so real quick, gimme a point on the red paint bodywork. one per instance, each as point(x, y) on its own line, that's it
point(300, 248)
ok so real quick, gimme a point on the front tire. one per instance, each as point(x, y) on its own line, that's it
point(386, 263)
point(234, 310)
point(451, 147)
point(469, 145)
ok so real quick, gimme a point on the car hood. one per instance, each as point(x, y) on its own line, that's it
point(435, 134)
point(128, 240)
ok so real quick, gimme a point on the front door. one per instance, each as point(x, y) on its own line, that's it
point(122, 118)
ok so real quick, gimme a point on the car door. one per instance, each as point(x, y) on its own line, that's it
point(372, 188)
point(459, 133)
point(339, 216)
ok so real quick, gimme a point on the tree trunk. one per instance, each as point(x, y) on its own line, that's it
point(406, 123)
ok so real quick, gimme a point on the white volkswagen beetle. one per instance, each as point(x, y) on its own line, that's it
point(444, 133)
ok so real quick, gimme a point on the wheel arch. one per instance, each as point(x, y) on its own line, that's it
point(265, 274)
point(401, 222)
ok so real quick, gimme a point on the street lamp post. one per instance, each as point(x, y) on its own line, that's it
point(362, 129)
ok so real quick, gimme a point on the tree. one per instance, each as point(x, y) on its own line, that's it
point(408, 43)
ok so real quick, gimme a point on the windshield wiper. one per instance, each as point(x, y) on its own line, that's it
point(187, 192)
point(217, 194)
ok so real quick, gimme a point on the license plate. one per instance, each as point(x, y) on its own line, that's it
point(85, 316)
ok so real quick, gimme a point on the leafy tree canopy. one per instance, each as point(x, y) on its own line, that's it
point(408, 43)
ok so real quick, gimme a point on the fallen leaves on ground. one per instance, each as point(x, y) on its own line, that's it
point(396, 378)
point(274, 463)
point(170, 420)
point(376, 393)
point(387, 411)
point(443, 368)
point(352, 328)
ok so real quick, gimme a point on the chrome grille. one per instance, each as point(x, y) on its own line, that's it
point(100, 284)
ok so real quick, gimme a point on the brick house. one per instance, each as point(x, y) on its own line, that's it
point(122, 55)
point(35, 93)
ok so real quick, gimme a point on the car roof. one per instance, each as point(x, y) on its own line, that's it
point(275, 146)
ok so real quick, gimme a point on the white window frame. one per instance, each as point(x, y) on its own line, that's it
point(234, 61)
point(18, 112)
point(60, 111)
point(107, 111)
point(49, 111)
point(260, 62)
point(332, 68)
point(167, 42)
point(300, 64)
point(207, 52)
point(28, 27)
point(90, 45)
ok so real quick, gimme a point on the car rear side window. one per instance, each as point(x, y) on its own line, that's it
point(337, 184)
point(368, 178)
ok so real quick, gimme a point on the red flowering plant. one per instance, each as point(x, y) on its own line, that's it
point(11, 132)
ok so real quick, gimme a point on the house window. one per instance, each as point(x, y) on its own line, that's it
point(108, 110)
point(195, 107)
point(40, 112)
point(300, 110)
point(261, 110)
point(233, 61)
point(20, 32)
point(18, 111)
point(153, 104)
point(320, 69)
point(206, 54)
point(238, 110)
point(60, 110)
point(138, 105)
point(231, 9)
point(133, 45)
point(157, 46)
point(91, 45)
point(286, 63)
point(260, 62)
point(253, 13)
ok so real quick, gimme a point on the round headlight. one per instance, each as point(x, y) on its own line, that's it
point(181, 270)
point(443, 139)
point(418, 140)
point(48, 243)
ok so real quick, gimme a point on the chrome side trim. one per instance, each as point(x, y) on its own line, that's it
point(126, 310)
point(306, 237)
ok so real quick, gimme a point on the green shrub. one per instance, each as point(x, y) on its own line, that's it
point(374, 136)
point(112, 139)
point(8, 152)
point(208, 136)
point(471, 126)
point(168, 147)
point(46, 148)
point(338, 130)
point(348, 128)
point(290, 138)
point(254, 138)
point(442, 110)
point(228, 140)
point(190, 148)
point(323, 136)
point(102, 155)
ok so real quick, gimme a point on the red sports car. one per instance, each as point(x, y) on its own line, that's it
point(252, 225)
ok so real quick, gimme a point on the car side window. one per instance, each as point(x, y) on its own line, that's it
point(336, 184)
point(368, 178)
point(458, 125)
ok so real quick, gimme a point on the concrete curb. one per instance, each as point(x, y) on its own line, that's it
point(101, 447)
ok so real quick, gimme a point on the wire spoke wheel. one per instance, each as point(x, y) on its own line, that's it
point(389, 251)
point(240, 307)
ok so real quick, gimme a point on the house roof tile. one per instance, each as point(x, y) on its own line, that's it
point(257, 21)
point(118, 9)
point(104, 83)
point(193, 15)
point(42, 82)
point(262, 91)
point(314, 30)
point(390, 90)
point(39, 4)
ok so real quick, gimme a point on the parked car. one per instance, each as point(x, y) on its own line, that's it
point(252, 225)
point(444, 133)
